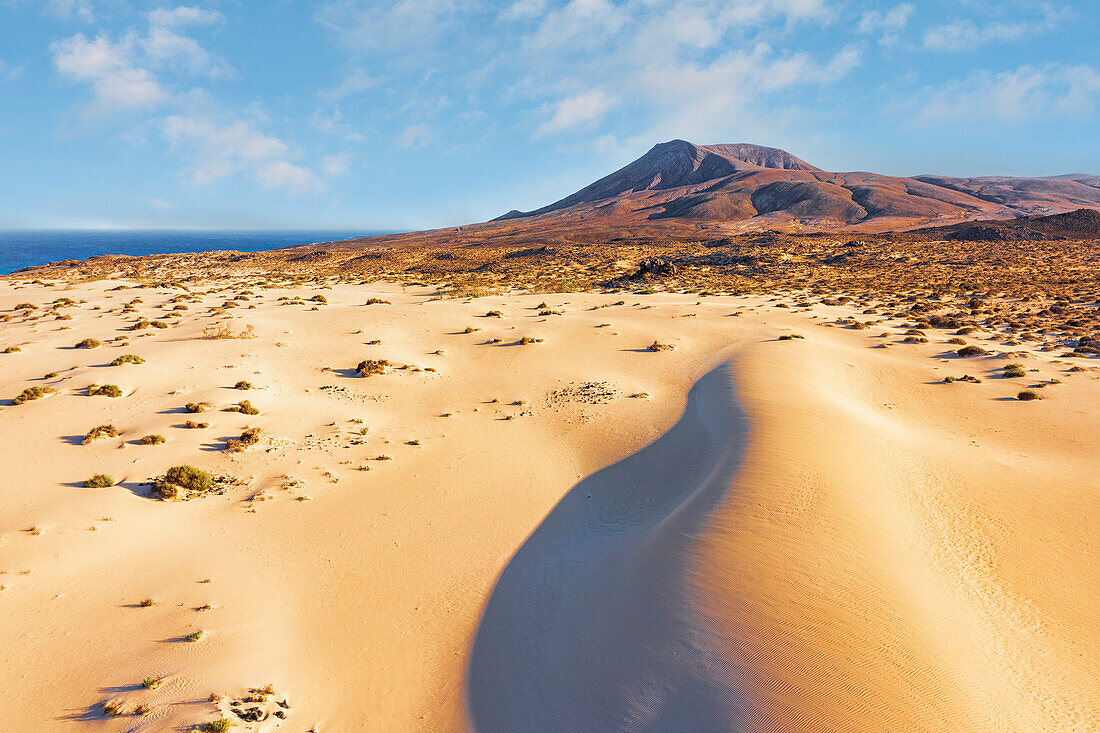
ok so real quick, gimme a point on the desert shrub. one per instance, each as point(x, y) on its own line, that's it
point(25, 307)
point(192, 425)
point(658, 346)
point(32, 393)
point(320, 299)
point(529, 340)
point(967, 351)
point(957, 341)
point(195, 635)
point(152, 439)
point(104, 390)
point(158, 324)
point(142, 324)
point(1013, 370)
point(147, 603)
point(127, 359)
point(376, 301)
point(242, 385)
point(221, 725)
point(249, 437)
point(197, 406)
point(88, 344)
point(1027, 395)
point(182, 482)
point(244, 407)
point(50, 375)
point(471, 329)
point(100, 432)
point(367, 367)
point(12, 350)
point(151, 683)
point(99, 481)
point(494, 314)
point(790, 336)
point(225, 331)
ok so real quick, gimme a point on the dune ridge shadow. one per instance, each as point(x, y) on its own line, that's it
point(589, 626)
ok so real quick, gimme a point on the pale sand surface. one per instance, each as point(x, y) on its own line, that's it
point(792, 535)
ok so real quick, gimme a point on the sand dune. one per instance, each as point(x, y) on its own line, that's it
point(784, 535)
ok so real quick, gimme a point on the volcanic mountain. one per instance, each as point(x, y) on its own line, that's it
point(747, 187)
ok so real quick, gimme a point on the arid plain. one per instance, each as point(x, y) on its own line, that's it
point(505, 511)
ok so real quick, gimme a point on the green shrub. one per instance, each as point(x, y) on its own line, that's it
point(968, 351)
point(99, 481)
point(242, 385)
point(153, 439)
point(88, 344)
point(1027, 395)
point(127, 359)
point(249, 437)
point(195, 635)
point(197, 406)
point(152, 683)
point(180, 482)
point(221, 725)
point(367, 367)
point(32, 393)
point(104, 390)
point(192, 425)
point(99, 432)
point(244, 407)
point(1014, 370)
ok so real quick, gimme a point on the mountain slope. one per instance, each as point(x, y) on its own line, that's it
point(757, 187)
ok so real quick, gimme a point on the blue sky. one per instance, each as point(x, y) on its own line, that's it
point(410, 114)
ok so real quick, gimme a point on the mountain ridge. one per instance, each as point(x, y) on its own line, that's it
point(750, 186)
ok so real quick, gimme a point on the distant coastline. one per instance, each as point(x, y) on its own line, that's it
point(28, 247)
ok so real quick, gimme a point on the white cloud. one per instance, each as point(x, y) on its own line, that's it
point(965, 35)
point(158, 203)
point(414, 136)
point(523, 9)
point(388, 24)
point(358, 81)
point(286, 175)
point(336, 165)
point(82, 10)
point(575, 111)
point(218, 150)
point(117, 85)
point(9, 72)
point(182, 16)
point(1025, 93)
point(893, 19)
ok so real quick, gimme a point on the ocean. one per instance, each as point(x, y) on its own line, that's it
point(23, 248)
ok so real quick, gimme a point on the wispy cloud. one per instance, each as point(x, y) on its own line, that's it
point(575, 111)
point(1027, 93)
point(966, 35)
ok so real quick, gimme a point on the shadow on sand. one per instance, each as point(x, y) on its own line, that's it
point(589, 626)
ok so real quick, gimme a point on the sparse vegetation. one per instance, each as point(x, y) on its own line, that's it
point(192, 425)
point(153, 439)
point(100, 432)
point(32, 393)
point(104, 390)
point(242, 385)
point(1013, 370)
point(152, 683)
point(88, 344)
point(1028, 395)
point(791, 336)
point(221, 725)
point(224, 330)
point(195, 635)
point(968, 351)
point(183, 482)
point(658, 346)
point(197, 406)
point(127, 359)
point(249, 437)
point(244, 407)
point(99, 481)
point(369, 367)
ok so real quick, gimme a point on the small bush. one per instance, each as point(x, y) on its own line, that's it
point(195, 635)
point(152, 683)
point(197, 406)
point(242, 385)
point(127, 359)
point(791, 336)
point(192, 425)
point(494, 314)
point(249, 437)
point(244, 407)
point(99, 432)
point(968, 351)
point(367, 367)
point(658, 346)
point(376, 301)
point(33, 393)
point(88, 344)
point(529, 340)
point(147, 603)
point(153, 439)
point(158, 324)
point(12, 350)
point(1013, 370)
point(25, 307)
point(99, 481)
point(320, 299)
point(104, 390)
point(1027, 395)
point(221, 725)
point(182, 482)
